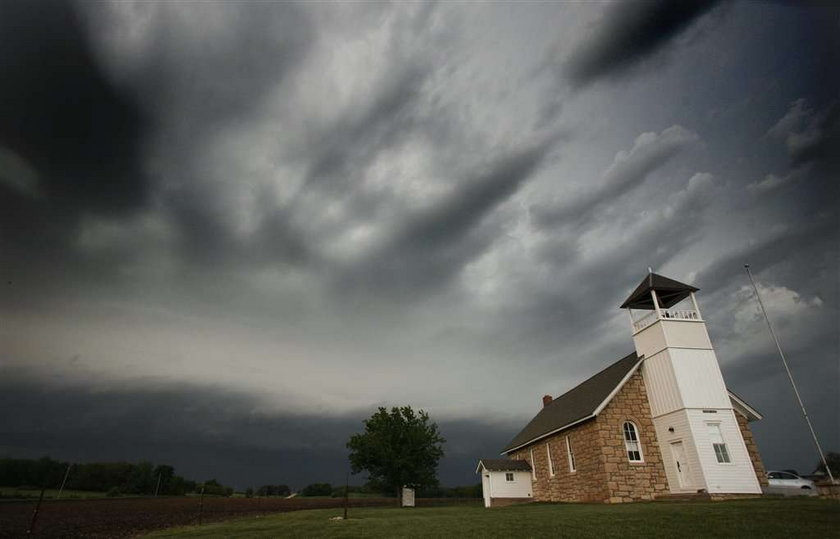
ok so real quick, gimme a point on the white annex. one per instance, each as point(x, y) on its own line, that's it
point(504, 481)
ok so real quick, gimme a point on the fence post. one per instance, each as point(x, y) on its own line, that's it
point(201, 506)
point(346, 495)
point(35, 513)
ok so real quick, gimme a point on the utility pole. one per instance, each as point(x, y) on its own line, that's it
point(63, 481)
point(790, 376)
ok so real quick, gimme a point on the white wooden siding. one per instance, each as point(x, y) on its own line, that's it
point(686, 334)
point(661, 385)
point(520, 487)
point(650, 340)
point(682, 431)
point(699, 379)
point(737, 476)
point(485, 487)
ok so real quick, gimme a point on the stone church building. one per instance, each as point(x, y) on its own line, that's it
point(658, 422)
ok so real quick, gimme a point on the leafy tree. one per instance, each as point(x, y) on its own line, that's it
point(317, 489)
point(833, 459)
point(141, 479)
point(273, 490)
point(398, 448)
point(214, 488)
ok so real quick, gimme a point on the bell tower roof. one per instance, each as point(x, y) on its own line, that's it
point(668, 292)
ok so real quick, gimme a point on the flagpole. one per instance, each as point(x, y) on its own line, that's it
point(790, 376)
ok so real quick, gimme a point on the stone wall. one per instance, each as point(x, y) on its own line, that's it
point(631, 481)
point(828, 491)
point(603, 472)
point(586, 484)
point(752, 449)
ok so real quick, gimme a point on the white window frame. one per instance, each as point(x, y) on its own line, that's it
point(550, 462)
point(628, 444)
point(571, 455)
point(509, 477)
point(719, 446)
point(533, 465)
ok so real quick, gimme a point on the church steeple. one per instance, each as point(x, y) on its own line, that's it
point(696, 427)
point(657, 295)
point(668, 293)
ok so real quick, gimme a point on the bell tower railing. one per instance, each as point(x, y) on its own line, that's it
point(651, 316)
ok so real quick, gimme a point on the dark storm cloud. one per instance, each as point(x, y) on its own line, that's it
point(550, 316)
point(816, 237)
point(630, 33)
point(427, 248)
point(199, 85)
point(630, 169)
point(62, 115)
point(203, 431)
point(73, 140)
point(821, 141)
point(356, 138)
point(205, 79)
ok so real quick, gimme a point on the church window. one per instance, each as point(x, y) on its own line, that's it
point(571, 454)
point(631, 442)
point(550, 462)
point(716, 437)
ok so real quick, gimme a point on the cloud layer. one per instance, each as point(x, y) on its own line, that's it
point(240, 228)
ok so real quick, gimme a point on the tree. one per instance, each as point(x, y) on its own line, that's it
point(833, 460)
point(398, 448)
point(317, 489)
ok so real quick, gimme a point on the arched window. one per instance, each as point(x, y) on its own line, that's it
point(631, 442)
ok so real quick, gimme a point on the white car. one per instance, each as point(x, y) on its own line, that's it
point(789, 480)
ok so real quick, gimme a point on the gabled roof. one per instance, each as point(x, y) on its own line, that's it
point(741, 406)
point(668, 292)
point(503, 465)
point(578, 404)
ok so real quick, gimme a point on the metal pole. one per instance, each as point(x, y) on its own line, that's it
point(63, 481)
point(157, 488)
point(790, 376)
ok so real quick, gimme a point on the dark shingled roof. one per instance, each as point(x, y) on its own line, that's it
point(505, 465)
point(576, 404)
point(668, 292)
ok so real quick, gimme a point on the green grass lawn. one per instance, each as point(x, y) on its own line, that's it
point(747, 518)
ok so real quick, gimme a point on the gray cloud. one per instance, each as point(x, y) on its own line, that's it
point(628, 170)
point(203, 431)
point(630, 33)
point(353, 199)
point(430, 246)
point(62, 115)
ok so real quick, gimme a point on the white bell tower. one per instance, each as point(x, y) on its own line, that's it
point(701, 443)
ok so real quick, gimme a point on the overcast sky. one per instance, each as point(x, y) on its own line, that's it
point(230, 231)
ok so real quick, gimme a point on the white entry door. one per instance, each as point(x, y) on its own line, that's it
point(681, 465)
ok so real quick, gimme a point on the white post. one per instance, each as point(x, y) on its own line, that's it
point(656, 305)
point(696, 307)
point(632, 322)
